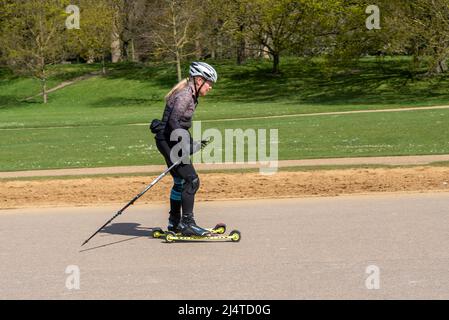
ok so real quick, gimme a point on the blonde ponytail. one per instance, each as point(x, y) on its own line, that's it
point(181, 85)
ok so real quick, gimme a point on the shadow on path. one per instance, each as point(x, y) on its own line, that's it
point(126, 229)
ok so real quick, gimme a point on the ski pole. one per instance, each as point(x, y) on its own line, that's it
point(135, 198)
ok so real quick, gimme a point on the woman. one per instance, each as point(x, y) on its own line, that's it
point(181, 103)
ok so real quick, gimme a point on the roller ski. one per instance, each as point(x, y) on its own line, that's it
point(159, 233)
point(233, 236)
point(186, 229)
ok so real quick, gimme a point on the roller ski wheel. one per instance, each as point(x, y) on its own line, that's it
point(170, 236)
point(234, 236)
point(219, 229)
point(157, 233)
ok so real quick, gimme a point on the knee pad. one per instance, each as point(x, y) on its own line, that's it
point(192, 184)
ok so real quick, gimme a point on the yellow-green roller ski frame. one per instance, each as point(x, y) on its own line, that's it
point(218, 229)
point(233, 236)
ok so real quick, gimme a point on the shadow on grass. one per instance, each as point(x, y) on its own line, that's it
point(126, 102)
point(66, 72)
point(6, 75)
point(12, 102)
point(8, 102)
point(163, 76)
point(309, 84)
point(367, 82)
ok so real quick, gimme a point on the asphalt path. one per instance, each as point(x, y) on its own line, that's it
point(392, 246)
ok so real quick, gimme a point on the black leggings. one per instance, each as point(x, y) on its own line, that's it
point(185, 173)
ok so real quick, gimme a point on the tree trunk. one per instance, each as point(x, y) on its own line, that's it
point(176, 46)
point(103, 65)
point(439, 64)
point(219, 49)
point(276, 59)
point(198, 49)
point(116, 50)
point(125, 50)
point(437, 68)
point(241, 56)
point(116, 53)
point(133, 51)
point(44, 90)
point(241, 47)
point(90, 58)
point(264, 52)
point(178, 65)
point(44, 81)
point(441, 67)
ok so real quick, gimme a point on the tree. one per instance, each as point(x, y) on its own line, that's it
point(117, 7)
point(423, 31)
point(226, 22)
point(93, 40)
point(3, 18)
point(274, 25)
point(134, 25)
point(418, 28)
point(341, 33)
point(33, 37)
point(170, 30)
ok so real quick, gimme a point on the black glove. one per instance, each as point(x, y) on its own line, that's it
point(204, 143)
point(197, 146)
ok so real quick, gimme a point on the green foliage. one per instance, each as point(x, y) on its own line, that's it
point(418, 28)
point(32, 32)
point(425, 26)
point(33, 36)
point(274, 25)
point(93, 40)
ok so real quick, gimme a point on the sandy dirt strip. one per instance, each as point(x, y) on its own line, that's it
point(223, 186)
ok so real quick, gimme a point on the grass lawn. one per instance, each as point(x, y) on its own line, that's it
point(87, 124)
point(376, 134)
point(134, 93)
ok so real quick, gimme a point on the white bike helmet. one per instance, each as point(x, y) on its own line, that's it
point(204, 70)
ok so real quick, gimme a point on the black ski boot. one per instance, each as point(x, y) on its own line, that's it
point(173, 222)
point(188, 227)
